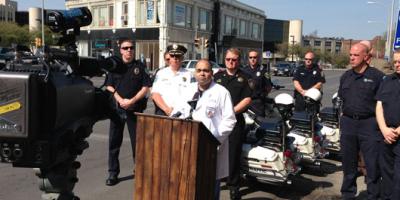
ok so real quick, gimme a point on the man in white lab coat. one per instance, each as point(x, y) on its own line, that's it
point(215, 110)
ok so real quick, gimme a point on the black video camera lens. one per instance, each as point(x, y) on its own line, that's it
point(59, 21)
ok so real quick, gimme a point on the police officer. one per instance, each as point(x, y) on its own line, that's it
point(359, 130)
point(305, 77)
point(171, 82)
point(259, 82)
point(388, 117)
point(129, 87)
point(236, 82)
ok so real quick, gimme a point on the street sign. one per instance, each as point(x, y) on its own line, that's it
point(267, 54)
point(397, 38)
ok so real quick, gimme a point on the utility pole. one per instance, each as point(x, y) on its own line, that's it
point(292, 36)
point(43, 23)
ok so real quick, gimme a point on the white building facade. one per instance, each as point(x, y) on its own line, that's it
point(154, 24)
point(7, 10)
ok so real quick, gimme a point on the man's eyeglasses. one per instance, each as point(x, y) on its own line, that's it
point(203, 70)
point(308, 59)
point(253, 57)
point(126, 48)
point(231, 59)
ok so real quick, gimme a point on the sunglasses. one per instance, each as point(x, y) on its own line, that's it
point(126, 48)
point(231, 59)
point(253, 57)
point(175, 56)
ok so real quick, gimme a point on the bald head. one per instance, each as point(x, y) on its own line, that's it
point(203, 73)
point(367, 44)
point(358, 55)
point(204, 63)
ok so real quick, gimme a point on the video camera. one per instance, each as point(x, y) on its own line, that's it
point(46, 112)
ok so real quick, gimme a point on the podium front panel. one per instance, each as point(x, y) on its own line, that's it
point(175, 159)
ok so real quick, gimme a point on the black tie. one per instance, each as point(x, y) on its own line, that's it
point(197, 95)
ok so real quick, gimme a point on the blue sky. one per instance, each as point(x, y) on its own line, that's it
point(330, 18)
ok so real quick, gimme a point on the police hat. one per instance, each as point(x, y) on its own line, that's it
point(176, 49)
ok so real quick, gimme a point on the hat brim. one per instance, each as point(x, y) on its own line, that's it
point(174, 52)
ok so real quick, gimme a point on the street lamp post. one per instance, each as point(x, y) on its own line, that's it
point(292, 36)
point(43, 24)
point(389, 35)
point(89, 43)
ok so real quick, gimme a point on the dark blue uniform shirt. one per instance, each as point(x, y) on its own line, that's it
point(389, 94)
point(237, 85)
point(308, 77)
point(358, 92)
point(129, 80)
point(259, 81)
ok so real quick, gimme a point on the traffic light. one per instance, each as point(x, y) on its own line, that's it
point(206, 43)
point(197, 42)
point(38, 42)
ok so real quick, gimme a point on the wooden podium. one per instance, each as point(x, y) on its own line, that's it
point(175, 159)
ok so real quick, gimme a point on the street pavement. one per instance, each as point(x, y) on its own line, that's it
point(313, 183)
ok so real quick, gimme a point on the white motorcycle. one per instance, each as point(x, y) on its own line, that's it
point(305, 129)
point(268, 154)
point(329, 120)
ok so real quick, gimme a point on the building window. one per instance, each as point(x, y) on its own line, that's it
point(255, 31)
point(317, 43)
point(242, 28)
point(182, 15)
point(204, 20)
point(328, 43)
point(103, 16)
point(228, 25)
point(111, 15)
point(125, 14)
point(148, 12)
point(306, 42)
point(338, 44)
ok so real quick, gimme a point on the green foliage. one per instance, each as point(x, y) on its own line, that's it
point(341, 60)
point(283, 48)
point(11, 33)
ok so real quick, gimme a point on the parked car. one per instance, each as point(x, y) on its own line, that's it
point(283, 69)
point(21, 54)
point(190, 65)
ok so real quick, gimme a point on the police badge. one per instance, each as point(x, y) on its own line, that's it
point(251, 84)
point(136, 71)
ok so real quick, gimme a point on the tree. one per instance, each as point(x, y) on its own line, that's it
point(11, 33)
point(283, 48)
point(341, 60)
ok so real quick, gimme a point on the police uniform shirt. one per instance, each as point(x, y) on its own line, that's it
point(172, 86)
point(308, 77)
point(130, 80)
point(258, 81)
point(237, 85)
point(358, 91)
point(389, 94)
